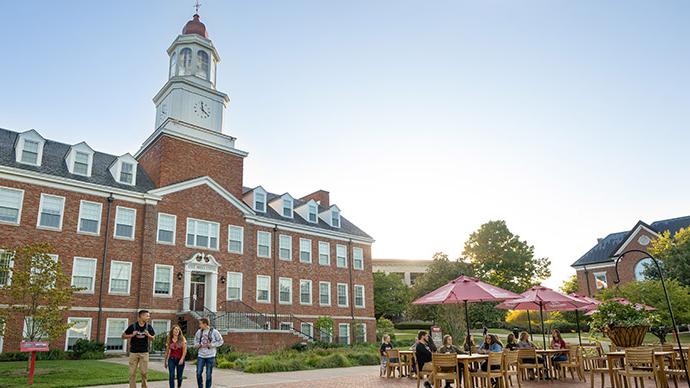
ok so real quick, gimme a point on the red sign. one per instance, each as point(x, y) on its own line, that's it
point(27, 346)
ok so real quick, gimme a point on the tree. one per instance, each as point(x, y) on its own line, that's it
point(673, 252)
point(650, 292)
point(38, 289)
point(324, 326)
point(384, 326)
point(391, 295)
point(499, 257)
point(570, 286)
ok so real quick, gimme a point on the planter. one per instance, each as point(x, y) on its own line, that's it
point(627, 337)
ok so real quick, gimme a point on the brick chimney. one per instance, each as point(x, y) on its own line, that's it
point(320, 196)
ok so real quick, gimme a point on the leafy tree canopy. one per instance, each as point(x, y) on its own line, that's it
point(674, 253)
point(650, 292)
point(391, 295)
point(570, 286)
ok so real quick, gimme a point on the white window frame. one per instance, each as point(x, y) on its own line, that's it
point(337, 295)
point(129, 277)
point(227, 288)
point(174, 229)
point(25, 328)
point(310, 332)
point(315, 213)
point(100, 216)
point(606, 280)
point(89, 162)
point(286, 323)
point(355, 251)
point(241, 240)
point(208, 247)
point(280, 281)
point(364, 331)
point(19, 210)
point(108, 322)
point(134, 173)
point(88, 329)
point(364, 303)
point(36, 272)
point(21, 146)
point(40, 210)
point(327, 245)
point(329, 294)
point(257, 289)
point(305, 242)
point(291, 208)
point(335, 216)
point(167, 325)
point(347, 330)
point(260, 233)
point(134, 223)
point(339, 248)
point(9, 267)
point(311, 292)
point(285, 243)
point(155, 276)
point(93, 280)
point(265, 196)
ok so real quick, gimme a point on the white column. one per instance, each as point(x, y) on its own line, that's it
point(408, 280)
point(212, 291)
point(187, 288)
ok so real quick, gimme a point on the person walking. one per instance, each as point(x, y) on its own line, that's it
point(140, 334)
point(206, 340)
point(175, 352)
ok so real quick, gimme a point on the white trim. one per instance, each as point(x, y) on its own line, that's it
point(286, 323)
point(343, 248)
point(311, 292)
point(71, 157)
point(174, 230)
point(632, 235)
point(259, 190)
point(311, 254)
point(93, 278)
point(258, 254)
point(204, 180)
point(241, 229)
point(256, 291)
point(347, 295)
point(110, 277)
point(100, 216)
point(40, 210)
point(116, 168)
point(88, 329)
point(208, 247)
point(227, 285)
point(122, 310)
point(280, 280)
point(311, 328)
point(105, 335)
point(167, 324)
point(21, 206)
point(287, 238)
point(595, 266)
point(330, 299)
point(20, 144)
point(134, 224)
point(349, 340)
point(364, 297)
point(594, 275)
point(10, 266)
point(357, 249)
point(155, 276)
point(307, 230)
point(328, 250)
point(364, 326)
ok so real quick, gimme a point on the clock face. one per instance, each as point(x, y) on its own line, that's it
point(202, 109)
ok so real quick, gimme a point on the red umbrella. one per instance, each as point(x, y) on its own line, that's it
point(466, 290)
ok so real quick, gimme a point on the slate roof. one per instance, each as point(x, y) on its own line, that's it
point(345, 225)
point(53, 163)
point(606, 247)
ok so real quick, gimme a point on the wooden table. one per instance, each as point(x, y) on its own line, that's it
point(407, 356)
point(466, 359)
point(546, 356)
point(611, 357)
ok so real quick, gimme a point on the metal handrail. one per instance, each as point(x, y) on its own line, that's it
point(299, 321)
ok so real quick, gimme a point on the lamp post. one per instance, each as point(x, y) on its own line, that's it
point(668, 301)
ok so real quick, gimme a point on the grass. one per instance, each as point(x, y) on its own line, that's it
point(68, 373)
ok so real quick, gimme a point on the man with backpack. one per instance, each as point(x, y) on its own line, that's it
point(206, 340)
point(140, 334)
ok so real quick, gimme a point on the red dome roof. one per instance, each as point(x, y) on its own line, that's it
point(194, 26)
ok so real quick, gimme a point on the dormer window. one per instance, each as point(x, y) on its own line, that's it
point(312, 210)
point(335, 218)
point(81, 163)
point(127, 173)
point(260, 201)
point(29, 148)
point(124, 170)
point(30, 152)
point(287, 207)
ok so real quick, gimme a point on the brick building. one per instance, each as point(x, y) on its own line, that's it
point(596, 268)
point(172, 229)
point(408, 270)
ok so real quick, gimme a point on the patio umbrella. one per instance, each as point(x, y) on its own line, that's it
point(543, 299)
point(466, 290)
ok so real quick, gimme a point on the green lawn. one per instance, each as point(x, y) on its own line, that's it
point(68, 373)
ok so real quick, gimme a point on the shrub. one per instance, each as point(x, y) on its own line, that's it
point(13, 356)
point(224, 349)
point(413, 325)
point(363, 358)
point(52, 354)
point(384, 326)
point(335, 360)
point(300, 346)
point(158, 343)
point(267, 364)
point(225, 364)
point(83, 346)
point(191, 353)
point(90, 355)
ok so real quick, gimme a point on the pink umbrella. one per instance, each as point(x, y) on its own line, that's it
point(466, 290)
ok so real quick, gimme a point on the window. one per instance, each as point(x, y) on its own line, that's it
point(305, 292)
point(235, 239)
point(6, 265)
point(202, 234)
point(167, 224)
point(90, 217)
point(640, 268)
point(127, 173)
point(10, 205)
point(324, 253)
point(341, 256)
point(287, 207)
point(120, 274)
point(33, 330)
point(326, 334)
point(84, 274)
point(361, 333)
point(173, 65)
point(286, 326)
point(285, 242)
point(114, 327)
point(81, 329)
point(50, 211)
point(359, 296)
point(263, 244)
point(124, 222)
point(307, 328)
point(312, 209)
point(600, 280)
point(260, 201)
point(185, 62)
point(324, 293)
point(81, 163)
point(358, 258)
point(160, 326)
point(202, 64)
point(30, 152)
point(304, 250)
point(344, 333)
point(263, 289)
point(285, 288)
point(37, 272)
point(341, 289)
point(234, 286)
point(162, 280)
point(335, 218)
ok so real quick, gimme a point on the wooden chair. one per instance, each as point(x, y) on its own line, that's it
point(639, 364)
point(595, 362)
point(423, 373)
point(529, 361)
point(511, 367)
point(494, 370)
point(574, 363)
point(393, 362)
point(444, 367)
point(677, 371)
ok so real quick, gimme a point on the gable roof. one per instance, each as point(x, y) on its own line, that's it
point(603, 251)
point(53, 163)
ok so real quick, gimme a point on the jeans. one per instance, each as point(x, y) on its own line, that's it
point(559, 358)
point(173, 367)
point(200, 363)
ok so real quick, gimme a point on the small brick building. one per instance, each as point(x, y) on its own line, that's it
point(596, 268)
point(172, 229)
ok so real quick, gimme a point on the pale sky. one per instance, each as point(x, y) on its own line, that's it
point(567, 119)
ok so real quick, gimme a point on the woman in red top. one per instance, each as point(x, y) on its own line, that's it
point(175, 352)
point(558, 343)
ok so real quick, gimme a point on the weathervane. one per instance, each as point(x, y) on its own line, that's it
point(196, 6)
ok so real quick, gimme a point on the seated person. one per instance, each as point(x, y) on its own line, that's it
point(423, 354)
point(491, 344)
point(385, 346)
point(468, 344)
point(448, 347)
point(525, 343)
point(558, 343)
point(511, 343)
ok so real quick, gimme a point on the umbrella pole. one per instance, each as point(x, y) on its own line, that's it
point(529, 325)
point(467, 322)
point(543, 332)
point(577, 320)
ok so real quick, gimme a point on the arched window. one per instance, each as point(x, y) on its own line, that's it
point(173, 65)
point(202, 64)
point(185, 61)
point(640, 268)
